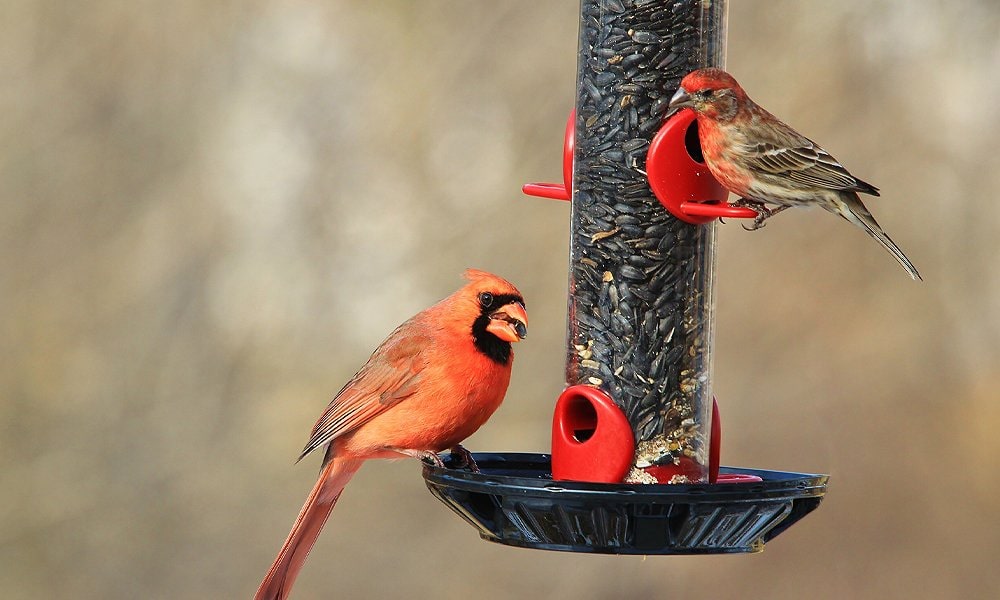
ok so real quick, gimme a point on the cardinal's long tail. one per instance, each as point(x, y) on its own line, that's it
point(277, 584)
point(854, 211)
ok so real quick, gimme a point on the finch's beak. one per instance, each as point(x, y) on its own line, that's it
point(680, 100)
point(510, 323)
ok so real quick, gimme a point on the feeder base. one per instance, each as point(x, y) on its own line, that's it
point(514, 501)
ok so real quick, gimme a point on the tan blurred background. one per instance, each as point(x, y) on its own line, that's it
point(211, 212)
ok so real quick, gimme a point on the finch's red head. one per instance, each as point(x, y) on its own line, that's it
point(711, 93)
point(499, 315)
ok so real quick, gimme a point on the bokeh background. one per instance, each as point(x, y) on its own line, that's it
point(211, 213)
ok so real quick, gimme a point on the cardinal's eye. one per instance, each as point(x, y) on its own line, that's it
point(485, 299)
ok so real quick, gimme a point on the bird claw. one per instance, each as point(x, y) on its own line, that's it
point(763, 212)
point(463, 458)
point(431, 459)
point(427, 457)
point(758, 222)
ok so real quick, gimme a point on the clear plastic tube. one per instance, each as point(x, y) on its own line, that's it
point(641, 281)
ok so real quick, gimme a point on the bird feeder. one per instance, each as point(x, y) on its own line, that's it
point(634, 466)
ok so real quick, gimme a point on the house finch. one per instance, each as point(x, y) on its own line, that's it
point(433, 382)
point(764, 161)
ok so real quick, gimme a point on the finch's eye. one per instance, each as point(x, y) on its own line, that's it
point(706, 94)
point(486, 299)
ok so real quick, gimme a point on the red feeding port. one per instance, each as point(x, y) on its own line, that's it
point(564, 190)
point(679, 178)
point(591, 438)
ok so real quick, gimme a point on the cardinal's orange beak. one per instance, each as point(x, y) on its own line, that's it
point(510, 323)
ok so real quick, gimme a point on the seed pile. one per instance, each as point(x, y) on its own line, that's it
point(641, 280)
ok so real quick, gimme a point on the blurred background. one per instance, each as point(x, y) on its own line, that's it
point(212, 212)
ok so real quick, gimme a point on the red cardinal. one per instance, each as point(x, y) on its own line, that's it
point(432, 383)
point(763, 160)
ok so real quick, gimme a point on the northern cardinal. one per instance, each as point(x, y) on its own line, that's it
point(764, 161)
point(432, 383)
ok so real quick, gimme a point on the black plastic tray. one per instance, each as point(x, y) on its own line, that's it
point(514, 501)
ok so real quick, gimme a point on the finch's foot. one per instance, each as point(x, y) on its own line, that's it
point(463, 458)
point(748, 203)
point(758, 222)
point(763, 213)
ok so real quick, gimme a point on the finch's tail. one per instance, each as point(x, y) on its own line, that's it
point(854, 211)
point(277, 584)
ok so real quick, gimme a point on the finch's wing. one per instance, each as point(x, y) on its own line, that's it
point(393, 373)
point(788, 154)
